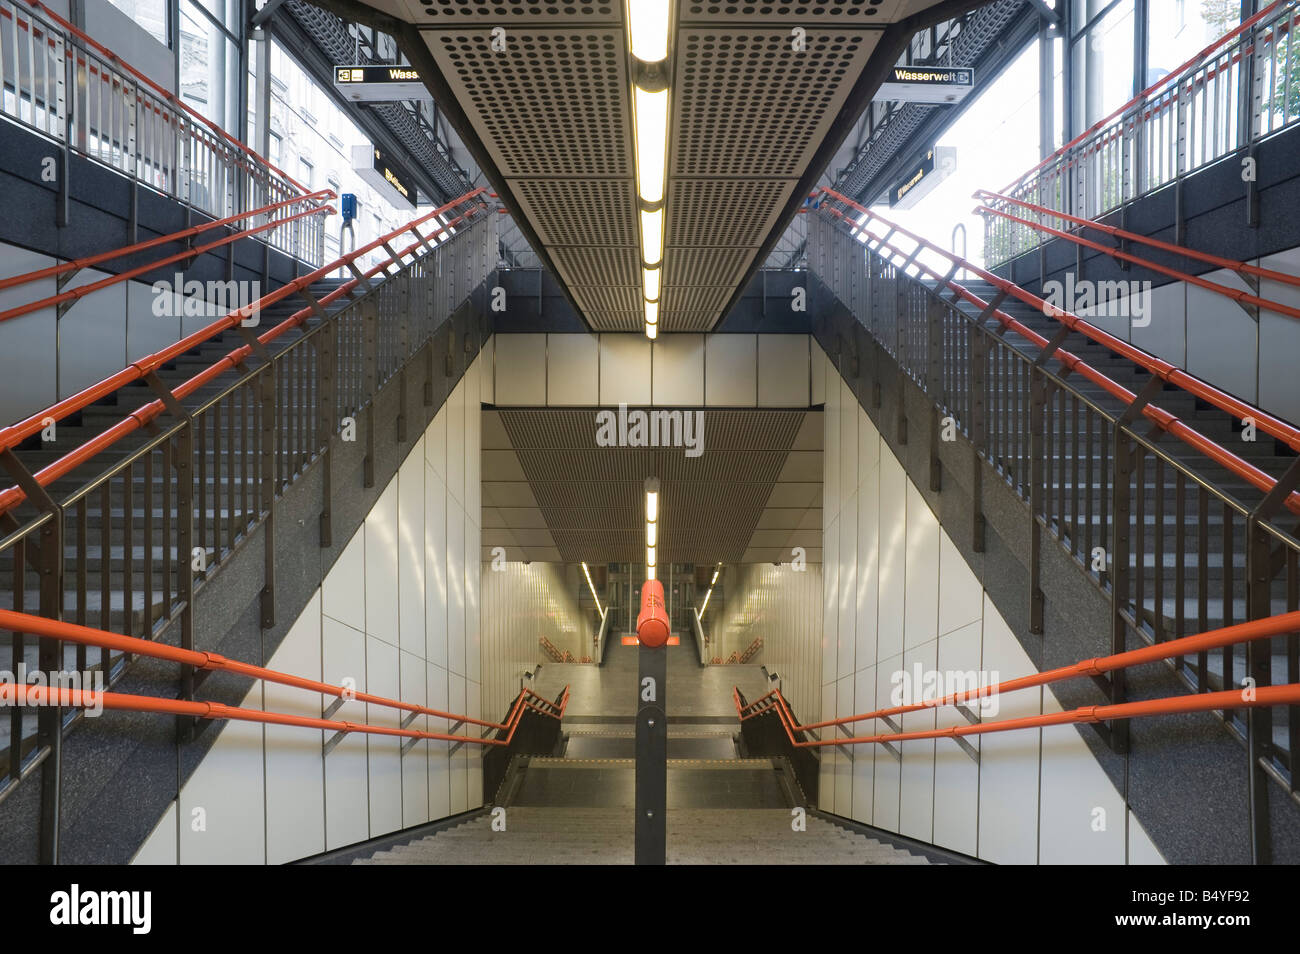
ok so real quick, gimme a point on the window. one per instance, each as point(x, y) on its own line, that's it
point(209, 67)
point(149, 14)
point(1103, 66)
point(1179, 29)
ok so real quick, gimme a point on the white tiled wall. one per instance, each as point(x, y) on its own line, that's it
point(1214, 338)
point(783, 606)
point(684, 370)
point(522, 603)
point(95, 338)
point(897, 593)
point(398, 614)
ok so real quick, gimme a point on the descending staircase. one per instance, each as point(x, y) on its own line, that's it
point(604, 836)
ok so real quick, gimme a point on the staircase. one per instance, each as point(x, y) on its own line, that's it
point(604, 836)
point(225, 488)
point(1188, 568)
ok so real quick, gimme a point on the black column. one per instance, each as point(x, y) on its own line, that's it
point(651, 756)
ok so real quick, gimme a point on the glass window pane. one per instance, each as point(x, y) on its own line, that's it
point(150, 14)
point(1179, 29)
point(1103, 67)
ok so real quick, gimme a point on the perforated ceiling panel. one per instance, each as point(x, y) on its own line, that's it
point(838, 12)
point(754, 90)
point(760, 89)
point(564, 212)
point(506, 12)
point(596, 266)
point(750, 107)
point(591, 498)
point(553, 102)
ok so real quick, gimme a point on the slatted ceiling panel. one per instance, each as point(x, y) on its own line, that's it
point(705, 266)
point(593, 497)
point(857, 13)
point(508, 12)
point(555, 102)
point(695, 298)
point(747, 103)
point(588, 518)
point(598, 266)
point(602, 465)
point(687, 321)
point(608, 298)
point(567, 212)
point(728, 213)
point(633, 321)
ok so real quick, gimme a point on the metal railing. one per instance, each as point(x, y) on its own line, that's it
point(1239, 90)
point(127, 549)
point(1179, 554)
point(63, 84)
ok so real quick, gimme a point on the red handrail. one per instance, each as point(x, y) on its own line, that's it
point(1184, 646)
point(82, 290)
point(1241, 268)
point(163, 93)
point(1215, 639)
point(1235, 294)
point(1165, 80)
point(88, 636)
point(53, 271)
point(16, 433)
point(1288, 695)
point(1163, 369)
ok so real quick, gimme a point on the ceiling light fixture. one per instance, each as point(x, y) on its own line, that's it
point(590, 586)
point(649, 30)
point(651, 526)
point(651, 142)
point(651, 282)
point(647, 26)
point(652, 237)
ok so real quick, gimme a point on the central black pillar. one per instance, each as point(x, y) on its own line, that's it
point(651, 756)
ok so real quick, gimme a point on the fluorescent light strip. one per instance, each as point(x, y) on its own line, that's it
point(650, 281)
point(590, 586)
point(647, 26)
point(651, 142)
point(652, 236)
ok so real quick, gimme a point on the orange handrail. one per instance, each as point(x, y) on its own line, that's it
point(88, 636)
point(1174, 76)
point(1287, 695)
point(16, 433)
point(1241, 268)
point(163, 93)
point(1238, 633)
point(1236, 294)
point(1166, 371)
point(81, 291)
point(76, 264)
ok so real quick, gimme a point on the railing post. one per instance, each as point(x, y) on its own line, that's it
point(979, 360)
point(1261, 569)
point(48, 558)
point(270, 482)
point(326, 343)
point(1037, 514)
point(370, 366)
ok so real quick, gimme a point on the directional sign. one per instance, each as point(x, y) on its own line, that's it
point(928, 84)
point(921, 178)
point(379, 84)
point(389, 178)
